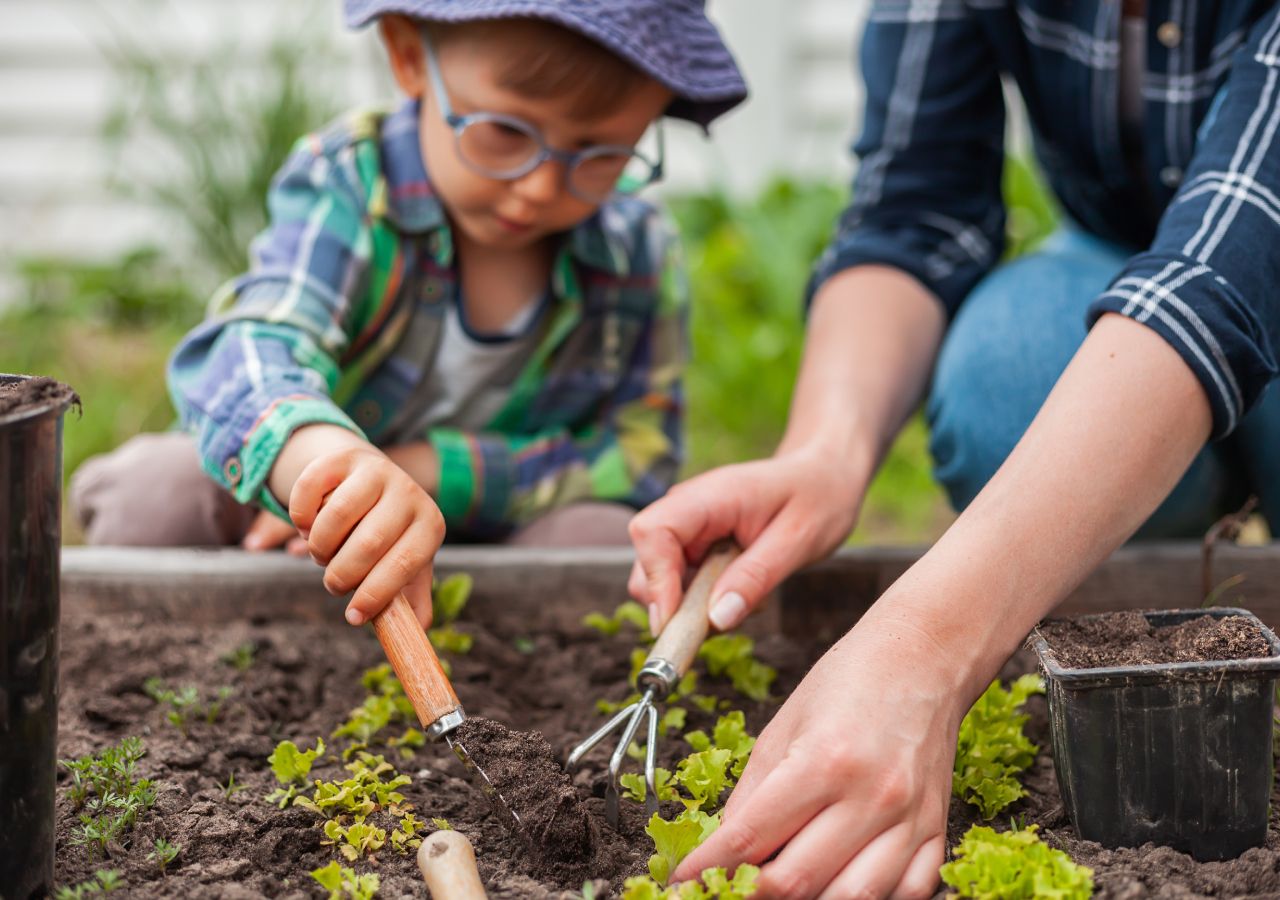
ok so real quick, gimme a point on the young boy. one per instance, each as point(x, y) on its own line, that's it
point(453, 320)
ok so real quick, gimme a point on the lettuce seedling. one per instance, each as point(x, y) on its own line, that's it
point(442, 824)
point(676, 839)
point(408, 743)
point(731, 655)
point(729, 734)
point(291, 767)
point(449, 598)
point(448, 639)
point(344, 884)
point(992, 750)
point(1014, 865)
point(704, 776)
point(715, 885)
point(355, 840)
point(635, 788)
point(628, 613)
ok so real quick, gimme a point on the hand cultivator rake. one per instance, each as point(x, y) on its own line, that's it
point(670, 658)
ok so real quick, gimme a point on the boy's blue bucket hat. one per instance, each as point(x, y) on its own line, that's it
point(672, 41)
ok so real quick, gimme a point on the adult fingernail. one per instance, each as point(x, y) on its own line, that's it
point(252, 542)
point(354, 616)
point(728, 610)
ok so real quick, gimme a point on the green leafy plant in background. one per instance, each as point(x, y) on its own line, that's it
point(184, 704)
point(241, 658)
point(448, 600)
point(992, 750)
point(344, 884)
point(1013, 865)
point(732, 655)
point(627, 613)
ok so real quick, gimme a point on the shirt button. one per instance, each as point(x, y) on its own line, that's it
point(1171, 176)
point(232, 470)
point(1169, 34)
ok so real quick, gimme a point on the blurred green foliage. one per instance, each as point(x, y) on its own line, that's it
point(107, 328)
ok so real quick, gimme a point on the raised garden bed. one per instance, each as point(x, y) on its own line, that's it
point(532, 666)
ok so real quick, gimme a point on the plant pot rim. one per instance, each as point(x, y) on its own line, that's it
point(1202, 670)
point(53, 406)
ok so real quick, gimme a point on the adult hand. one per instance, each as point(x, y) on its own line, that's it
point(849, 784)
point(371, 526)
point(269, 531)
point(785, 511)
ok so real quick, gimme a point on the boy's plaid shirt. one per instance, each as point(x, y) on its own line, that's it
point(1201, 211)
point(339, 319)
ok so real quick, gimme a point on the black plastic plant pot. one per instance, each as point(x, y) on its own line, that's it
point(1178, 754)
point(30, 554)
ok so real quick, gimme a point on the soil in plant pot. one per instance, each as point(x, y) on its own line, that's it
point(32, 392)
point(305, 679)
point(1129, 639)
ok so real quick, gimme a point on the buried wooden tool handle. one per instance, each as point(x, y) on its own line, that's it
point(448, 864)
point(414, 661)
point(683, 635)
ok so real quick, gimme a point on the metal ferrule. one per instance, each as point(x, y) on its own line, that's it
point(659, 676)
point(445, 724)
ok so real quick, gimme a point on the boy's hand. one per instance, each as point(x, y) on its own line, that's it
point(269, 531)
point(371, 526)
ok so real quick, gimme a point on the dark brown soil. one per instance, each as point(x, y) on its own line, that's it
point(1128, 639)
point(305, 680)
point(33, 392)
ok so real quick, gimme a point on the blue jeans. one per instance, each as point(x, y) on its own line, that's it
point(1011, 340)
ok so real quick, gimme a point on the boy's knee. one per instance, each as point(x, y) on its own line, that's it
point(151, 491)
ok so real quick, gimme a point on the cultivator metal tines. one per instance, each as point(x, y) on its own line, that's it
point(670, 658)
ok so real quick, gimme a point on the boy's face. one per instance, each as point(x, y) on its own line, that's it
point(491, 212)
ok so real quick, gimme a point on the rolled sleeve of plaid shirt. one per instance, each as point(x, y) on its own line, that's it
point(629, 453)
point(246, 379)
point(926, 198)
point(1208, 284)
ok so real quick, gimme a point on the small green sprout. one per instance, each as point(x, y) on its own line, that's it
point(442, 824)
point(291, 767)
point(185, 704)
point(731, 655)
point(449, 597)
point(242, 657)
point(164, 853)
point(524, 645)
point(104, 881)
point(230, 789)
point(713, 884)
point(104, 786)
point(344, 884)
point(635, 788)
point(628, 613)
point(355, 840)
point(676, 839)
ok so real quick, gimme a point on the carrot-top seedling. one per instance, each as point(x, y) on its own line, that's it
point(344, 884)
point(716, 884)
point(185, 704)
point(164, 853)
point(105, 788)
point(104, 881)
point(242, 657)
point(1014, 865)
point(992, 750)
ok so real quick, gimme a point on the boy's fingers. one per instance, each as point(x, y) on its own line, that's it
point(401, 564)
point(268, 530)
point(418, 593)
point(371, 538)
point(297, 546)
point(318, 479)
point(342, 511)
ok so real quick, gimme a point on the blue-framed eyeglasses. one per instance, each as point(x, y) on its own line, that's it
point(507, 148)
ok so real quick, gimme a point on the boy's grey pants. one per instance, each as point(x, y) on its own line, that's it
point(151, 492)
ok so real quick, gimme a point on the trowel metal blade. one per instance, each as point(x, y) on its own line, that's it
point(481, 780)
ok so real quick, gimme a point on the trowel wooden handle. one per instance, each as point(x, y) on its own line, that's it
point(683, 635)
point(448, 864)
point(414, 661)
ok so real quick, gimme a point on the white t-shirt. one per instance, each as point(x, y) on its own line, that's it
point(473, 373)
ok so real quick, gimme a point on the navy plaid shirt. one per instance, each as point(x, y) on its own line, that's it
point(1201, 210)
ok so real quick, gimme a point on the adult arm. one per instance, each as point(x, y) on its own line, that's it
point(927, 204)
point(851, 779)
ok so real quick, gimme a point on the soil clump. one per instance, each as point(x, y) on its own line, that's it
point(1129, 639)
point(29, 393)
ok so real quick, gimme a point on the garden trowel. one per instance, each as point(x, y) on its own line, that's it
point(415, 663)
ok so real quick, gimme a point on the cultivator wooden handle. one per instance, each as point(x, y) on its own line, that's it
point(415, 662)
point(448, 865)
point(683, 635)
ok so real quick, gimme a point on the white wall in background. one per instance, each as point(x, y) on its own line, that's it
point(55, 90)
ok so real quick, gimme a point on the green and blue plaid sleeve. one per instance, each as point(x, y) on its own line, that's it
point(630, 452)
point(267, 360)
